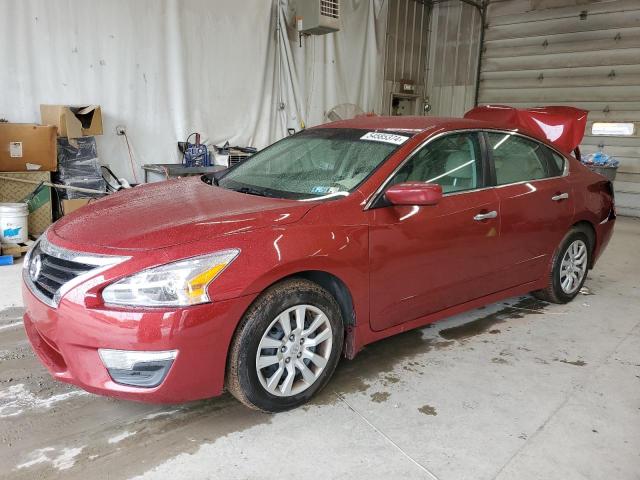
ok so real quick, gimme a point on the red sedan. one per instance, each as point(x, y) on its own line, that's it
point(260, 278)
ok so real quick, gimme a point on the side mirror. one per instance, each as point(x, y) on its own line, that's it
point(414, 194)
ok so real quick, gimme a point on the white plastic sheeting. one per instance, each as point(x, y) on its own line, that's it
point(166, 68)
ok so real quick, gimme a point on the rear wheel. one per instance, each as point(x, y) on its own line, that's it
point(569, 269)
point(286, 347)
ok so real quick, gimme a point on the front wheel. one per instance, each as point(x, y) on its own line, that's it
point(286, 347)
point(569, 269)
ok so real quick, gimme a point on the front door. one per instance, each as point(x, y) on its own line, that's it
point(426, 258)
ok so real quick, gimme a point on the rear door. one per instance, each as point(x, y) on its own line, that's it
point(426, 258)
point(536, 204)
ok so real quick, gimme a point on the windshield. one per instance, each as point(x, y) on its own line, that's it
point(314, 163)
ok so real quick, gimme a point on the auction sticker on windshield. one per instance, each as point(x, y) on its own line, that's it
point(385, 137)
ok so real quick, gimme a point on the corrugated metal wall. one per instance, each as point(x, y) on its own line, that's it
point(406, 48)
point(453, 54)
point(437, 49)
point(571, 52)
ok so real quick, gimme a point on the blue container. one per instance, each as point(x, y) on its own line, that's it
point(6, 260)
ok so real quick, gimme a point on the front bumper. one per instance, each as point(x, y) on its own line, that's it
point(67, 339)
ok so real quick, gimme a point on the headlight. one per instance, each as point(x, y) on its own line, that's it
point(175, 284)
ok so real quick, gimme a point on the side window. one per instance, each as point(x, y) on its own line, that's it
point(454, 162)
point(517, 159)
point(557, 162)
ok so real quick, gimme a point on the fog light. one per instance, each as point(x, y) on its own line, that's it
point(137, 368)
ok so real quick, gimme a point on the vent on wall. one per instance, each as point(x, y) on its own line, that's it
point(330, 8)
point(317, 17)
point(237, 156)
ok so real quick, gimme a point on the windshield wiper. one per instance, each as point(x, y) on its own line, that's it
point(252, 191)
point(210, 179)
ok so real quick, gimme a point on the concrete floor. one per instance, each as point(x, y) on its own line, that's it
point(517, 390)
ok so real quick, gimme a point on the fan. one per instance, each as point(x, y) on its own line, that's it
point(344, 111)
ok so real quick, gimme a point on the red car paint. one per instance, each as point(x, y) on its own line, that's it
point(414, 194)
point(563, 127)
point(399, 274)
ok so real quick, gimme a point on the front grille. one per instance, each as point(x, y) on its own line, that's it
point(49, 268)
point(54, 272)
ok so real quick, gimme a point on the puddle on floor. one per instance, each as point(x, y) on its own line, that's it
point(428, 410)
point(577, 363)
point(380, 397)
point(499, 361)
point(11, 315)
point(377, 361)
point(163, 434)
point(484, 324)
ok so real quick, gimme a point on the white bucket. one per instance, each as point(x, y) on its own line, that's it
point(13, 222)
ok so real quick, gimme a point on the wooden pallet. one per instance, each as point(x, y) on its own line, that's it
point(16, 250)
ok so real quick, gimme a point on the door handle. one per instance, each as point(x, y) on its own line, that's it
point(484, 216)
point(560, 196)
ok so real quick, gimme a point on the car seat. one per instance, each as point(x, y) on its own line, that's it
point(518, 168)
point(460, 172)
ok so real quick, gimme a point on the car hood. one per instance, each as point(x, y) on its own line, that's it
point(174, 212)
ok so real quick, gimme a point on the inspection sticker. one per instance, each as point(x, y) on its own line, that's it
point(385, 137)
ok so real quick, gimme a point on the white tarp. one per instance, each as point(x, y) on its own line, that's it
point(166, 68)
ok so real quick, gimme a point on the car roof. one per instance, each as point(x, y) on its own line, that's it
point(415, 124)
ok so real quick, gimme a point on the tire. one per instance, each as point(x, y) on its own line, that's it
point(558, 290)
point(261, 349)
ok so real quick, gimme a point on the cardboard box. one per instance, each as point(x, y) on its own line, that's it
point(69, 206)
point(73, 121)
point(26, 147)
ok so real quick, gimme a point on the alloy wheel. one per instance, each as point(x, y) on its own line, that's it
point(573, 267)
point(294, 350)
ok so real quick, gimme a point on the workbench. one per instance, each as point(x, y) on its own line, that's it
point(172, 170)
